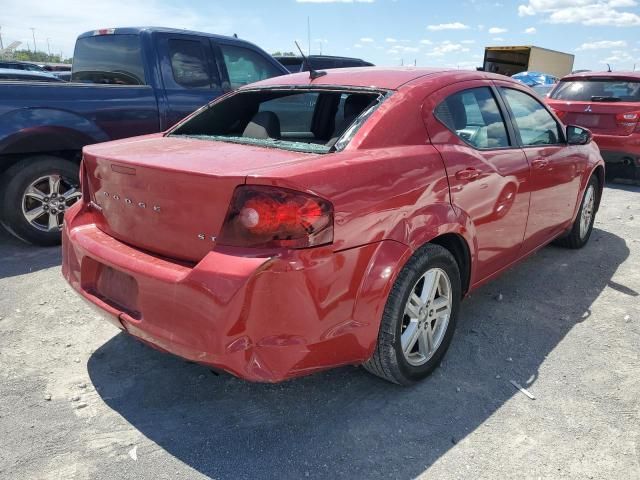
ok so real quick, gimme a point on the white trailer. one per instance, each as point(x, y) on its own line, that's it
point(511, 60)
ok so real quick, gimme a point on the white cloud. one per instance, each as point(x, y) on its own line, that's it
point(603, 44)
point(530, 30)
point(496, 30)
point(390, 40)
point(426, 42)
point(498, 39)
point(618, 56)
point(448, 26)
point(367, 40)
point(446, 47)
point(335, 1)
point(586, 12)
point(468, 42)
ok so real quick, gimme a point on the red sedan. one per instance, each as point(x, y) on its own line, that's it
point(608, 103)
point(300, 224)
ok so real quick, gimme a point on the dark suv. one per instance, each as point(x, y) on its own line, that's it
point(320, 62)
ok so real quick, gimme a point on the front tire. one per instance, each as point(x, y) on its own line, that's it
point(419, 317)
point(582, 226)
point(34, 194)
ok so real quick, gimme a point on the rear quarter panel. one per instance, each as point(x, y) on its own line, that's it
point(377, 194)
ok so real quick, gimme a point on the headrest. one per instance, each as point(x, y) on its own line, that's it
point(263, 125)
point(354, 105)
point(458, 112)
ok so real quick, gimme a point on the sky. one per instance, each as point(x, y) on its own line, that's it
point(385, 32)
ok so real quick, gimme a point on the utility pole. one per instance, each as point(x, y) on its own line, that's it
point(48, 47)
point(309, 36)
point(1, 45)
point(33, 32)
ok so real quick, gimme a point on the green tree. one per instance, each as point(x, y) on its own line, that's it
point(40, 57)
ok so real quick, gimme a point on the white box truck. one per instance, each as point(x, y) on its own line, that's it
point(511, 60)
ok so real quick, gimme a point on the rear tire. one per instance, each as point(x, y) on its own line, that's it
point(419, 317)
point(34, 194)
point(582, 226)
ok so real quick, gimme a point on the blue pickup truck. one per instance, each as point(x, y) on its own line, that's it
point(125, 82)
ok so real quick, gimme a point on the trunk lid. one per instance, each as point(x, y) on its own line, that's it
point(170, 196)
point(599, 117)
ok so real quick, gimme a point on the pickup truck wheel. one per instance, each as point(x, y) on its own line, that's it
point(419, 317)
point(582, 226)
point(34, 194)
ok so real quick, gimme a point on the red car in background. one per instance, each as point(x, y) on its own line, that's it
point(608, 104)
point(301, 223)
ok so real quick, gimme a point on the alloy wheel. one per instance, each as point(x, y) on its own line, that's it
point(45, 200)
point(586, 215)
point(426, 316)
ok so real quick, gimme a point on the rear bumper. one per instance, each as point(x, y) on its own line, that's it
point(261, 319)
point(621, 155)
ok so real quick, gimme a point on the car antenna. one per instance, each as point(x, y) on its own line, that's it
point(313, 74)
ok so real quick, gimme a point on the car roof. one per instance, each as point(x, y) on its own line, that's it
point(22, 62)
point(27, 73)
point(373, 77)
point(319, 57)
point(619, 75)
point(138, 30)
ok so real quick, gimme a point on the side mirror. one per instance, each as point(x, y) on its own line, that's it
point(578, 135)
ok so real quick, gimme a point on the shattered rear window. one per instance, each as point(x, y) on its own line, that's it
point(300, 120)
point(266, 142)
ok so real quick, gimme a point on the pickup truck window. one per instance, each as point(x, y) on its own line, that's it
point(308, 121)
point(246, 66)
point(108, 59)
point(189, 64)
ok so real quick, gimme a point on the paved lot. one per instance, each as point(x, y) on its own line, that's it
point(80, 400)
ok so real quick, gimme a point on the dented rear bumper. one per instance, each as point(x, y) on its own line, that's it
point(261, 319)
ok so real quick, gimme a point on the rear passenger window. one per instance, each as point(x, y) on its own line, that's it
point(189, 64)
point(474, 116)
point(534, 122)
point(246, 66)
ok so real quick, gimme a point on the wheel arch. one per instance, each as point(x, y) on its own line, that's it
point(599, 174)
point(458, 247)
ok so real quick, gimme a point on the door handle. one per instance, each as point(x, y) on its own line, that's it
point(540, 163)
point(468, 174)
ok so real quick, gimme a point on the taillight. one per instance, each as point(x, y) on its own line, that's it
point(262, 216)
point(627, 119)
point(630, 121)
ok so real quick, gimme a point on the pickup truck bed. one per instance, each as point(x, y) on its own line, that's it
point(125, 82)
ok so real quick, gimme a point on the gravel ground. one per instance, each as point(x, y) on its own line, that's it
point(80, 400)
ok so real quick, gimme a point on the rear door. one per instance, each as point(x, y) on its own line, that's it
point(556, 168)
point(488, 173)
point(189, 72)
